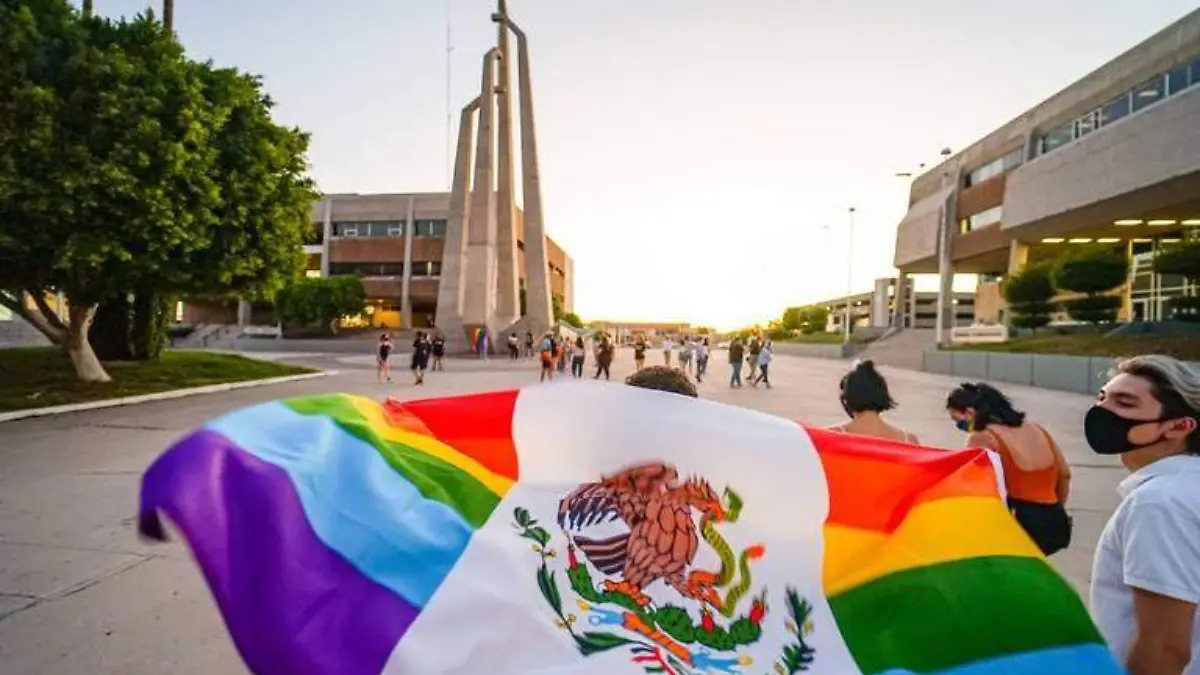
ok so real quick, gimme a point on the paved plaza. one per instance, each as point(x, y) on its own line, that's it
point(80, 594)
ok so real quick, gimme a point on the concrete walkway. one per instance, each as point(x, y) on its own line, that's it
point(80, 594)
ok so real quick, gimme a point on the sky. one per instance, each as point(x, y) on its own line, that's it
point(698, 157)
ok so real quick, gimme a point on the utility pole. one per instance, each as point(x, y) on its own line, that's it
point(849, 279)
point(87, 9)
point(168, 15)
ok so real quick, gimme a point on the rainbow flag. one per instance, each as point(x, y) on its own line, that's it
point(581, 528)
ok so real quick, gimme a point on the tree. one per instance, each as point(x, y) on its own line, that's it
point(1093, 272)
point(793, 318)
point(1184, 260)
point(1030, 294)
point(203, 194)
point(556, 306)
point(320, 301)
point(572, 319)
point(816, 319)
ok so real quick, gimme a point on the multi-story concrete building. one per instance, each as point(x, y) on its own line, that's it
point(877, 308)
point(1113, 159)
point(474, 258)
point(397, 243)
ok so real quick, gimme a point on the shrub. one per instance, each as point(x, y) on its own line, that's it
point(320, 301)
point(1093, 272)
point(1029, 294)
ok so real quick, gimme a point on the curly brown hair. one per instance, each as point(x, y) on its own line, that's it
point(663, 378)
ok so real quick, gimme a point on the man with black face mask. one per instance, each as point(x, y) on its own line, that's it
point(1146, 575)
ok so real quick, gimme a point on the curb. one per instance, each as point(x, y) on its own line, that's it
point(160, 396)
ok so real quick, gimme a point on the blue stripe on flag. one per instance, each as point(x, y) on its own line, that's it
point(356, 503)
point(1093, 659)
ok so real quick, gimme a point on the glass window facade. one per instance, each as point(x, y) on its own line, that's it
point(429, 228)
point(368, 269)
point(981, 219)
point(995, 168)
point(1142, 96)
point(372, 229)
point(427, 268)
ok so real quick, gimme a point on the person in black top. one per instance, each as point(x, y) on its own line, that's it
point(528, 343)
point(639, 353)
point(382, 367)
point(420, 358)
point(577, 359)
point(439, 350)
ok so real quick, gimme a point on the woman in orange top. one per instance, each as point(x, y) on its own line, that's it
point(1036, 475)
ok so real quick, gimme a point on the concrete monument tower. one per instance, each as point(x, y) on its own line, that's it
point(508, 306)
point(451, 290)
point(479, 303)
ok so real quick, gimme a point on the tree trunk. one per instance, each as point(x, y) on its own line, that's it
point(109, 334)
point(42, 319)
point(87, 366)
point(150, 325)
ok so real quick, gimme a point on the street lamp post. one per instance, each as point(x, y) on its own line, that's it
point(849, 279)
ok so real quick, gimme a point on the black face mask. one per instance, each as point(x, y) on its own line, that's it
point(1108, 433)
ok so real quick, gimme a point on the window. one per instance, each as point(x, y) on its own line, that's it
point(368, 269)
point(426, 268)
point(345, 229)
point(375, 229)
point(1087, 124)
point(1115, 110)
point(1177, 80)
point(1058, 137)
point(994, 168)
point(1194, 77)
point(1149, 92)
point(435, 268)
point(981, 219)
point(318, 233)
point(430, 228)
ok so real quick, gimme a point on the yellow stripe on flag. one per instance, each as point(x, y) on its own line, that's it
point(934, 532)
point(429, 445)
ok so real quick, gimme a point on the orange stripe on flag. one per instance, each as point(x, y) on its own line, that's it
point(873, 484)
point(478, 426)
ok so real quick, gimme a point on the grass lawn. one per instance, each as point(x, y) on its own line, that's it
point(1186, 348)
point(817, 339)
point(43, 376)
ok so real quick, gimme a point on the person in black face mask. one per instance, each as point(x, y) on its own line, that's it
point(1146, 573)
point(1036, 476)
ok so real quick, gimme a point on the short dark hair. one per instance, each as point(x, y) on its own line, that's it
point(663, 378)
point(864, 389)
point(989, 404)
point(1173, 384)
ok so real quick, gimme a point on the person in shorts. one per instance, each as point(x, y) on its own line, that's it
point(639, 353)
point(420, 358)
point(383, 368)
point(438, 348)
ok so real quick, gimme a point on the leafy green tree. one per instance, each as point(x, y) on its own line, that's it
point(1093, 272)
point(130, 174)
point(1030, 294)
point(793, 318)
point(320, 301)
point(556, 306)
point(572, 319)
point(816, 318)
point(1184, 260)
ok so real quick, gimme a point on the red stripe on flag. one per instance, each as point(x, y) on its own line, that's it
point(479, 426)
point(873, 483)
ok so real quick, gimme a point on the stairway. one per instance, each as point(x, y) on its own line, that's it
point(901, 350)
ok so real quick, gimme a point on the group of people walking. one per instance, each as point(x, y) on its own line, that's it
point(428, 353)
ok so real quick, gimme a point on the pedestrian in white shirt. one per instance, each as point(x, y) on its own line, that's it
point(1146, 575)
point(668, 347)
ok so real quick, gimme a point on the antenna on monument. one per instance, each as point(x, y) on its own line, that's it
point(449, 97)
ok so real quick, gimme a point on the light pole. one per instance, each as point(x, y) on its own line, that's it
point(849, 278)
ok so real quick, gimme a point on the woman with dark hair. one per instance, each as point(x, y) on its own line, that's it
point(1037, 478)
point(865, 397)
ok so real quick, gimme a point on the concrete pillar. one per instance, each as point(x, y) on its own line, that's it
point(406, 275)
point(451, 286)
point(900, 301)
point(1126, 311)
point(328, 236)
point(508, 302)
point(539, 314)
point(243, 313)
point(1018, 256)
point(479, 305)
point(945, 297)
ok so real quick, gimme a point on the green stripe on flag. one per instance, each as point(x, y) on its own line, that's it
point(433, 478)
point(930, 618)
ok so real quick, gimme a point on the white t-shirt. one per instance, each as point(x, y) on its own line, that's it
point(668, 345)
point(1152, 542)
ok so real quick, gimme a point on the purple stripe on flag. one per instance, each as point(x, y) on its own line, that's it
point(291, 604)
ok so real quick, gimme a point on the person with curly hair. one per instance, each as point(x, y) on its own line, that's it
point(663, 378)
